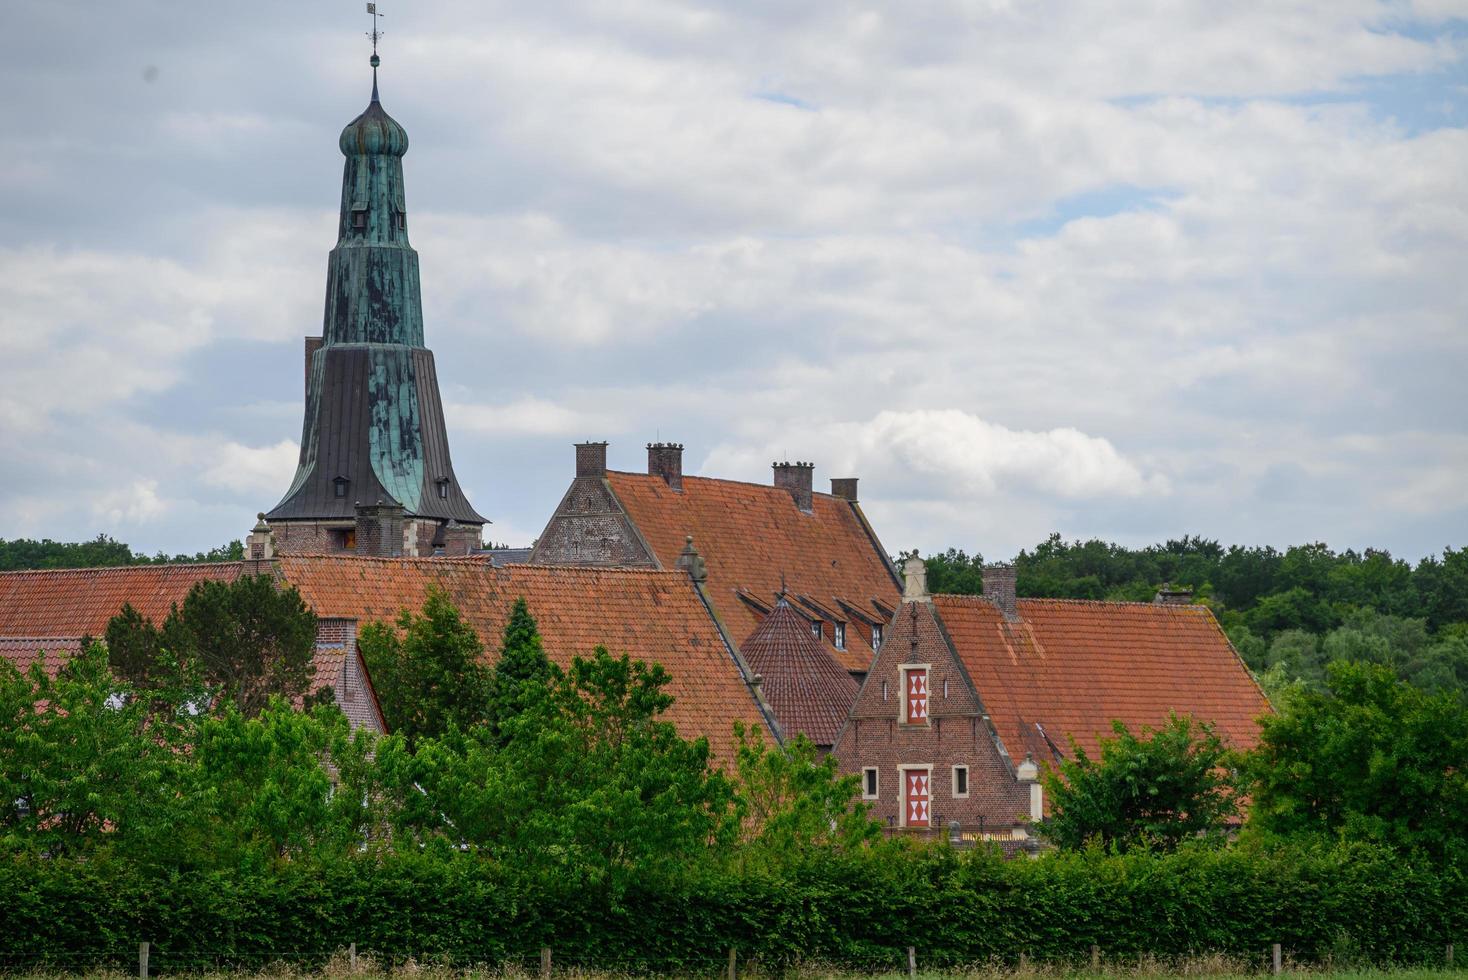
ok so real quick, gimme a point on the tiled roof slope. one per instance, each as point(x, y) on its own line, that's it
point(650, 615)
point(23, 651)
point(1070, 667)
point(80, 601)
point(807, 689)
point(749, 535)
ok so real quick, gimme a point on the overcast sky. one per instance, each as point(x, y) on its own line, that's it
point(1127, 270)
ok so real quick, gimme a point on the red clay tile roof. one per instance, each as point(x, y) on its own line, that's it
point(650, 615)
point(80, 601)
point(22, 651)
point(808, 690)
point(1066, 668)
point(749, 535)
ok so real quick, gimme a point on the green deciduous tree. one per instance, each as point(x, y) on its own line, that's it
point(1371, 757)
point(80, 764)
point(791, 802)
point(429, 671)
point(1155, 790)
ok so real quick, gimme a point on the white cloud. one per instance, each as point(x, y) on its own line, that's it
point(263, 470)
point(137, 503)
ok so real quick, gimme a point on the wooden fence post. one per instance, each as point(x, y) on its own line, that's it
point(142, 961)
point(1450, 956)
point(911, 962)
point(352, 956)
point(545, 961)
point(1095, 958)
point(733, 959)
point(1278, 957)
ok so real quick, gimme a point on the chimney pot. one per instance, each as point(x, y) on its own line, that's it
point(797, 477)
point(1168, 596)
point(844, 487)
point(999, 588)
point(591, 459)
point(665, 459)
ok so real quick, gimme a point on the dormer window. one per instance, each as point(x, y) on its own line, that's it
point(443, 488)
point(840, 629)
point(339, 487)
point(359, 219)
point(400, 220)
point(876, 638)
point(815, 630)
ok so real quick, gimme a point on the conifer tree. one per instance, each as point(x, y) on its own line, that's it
point(523, 669)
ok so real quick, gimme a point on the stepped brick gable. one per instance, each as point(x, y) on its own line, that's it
point(648, 614)
point(1063, 669)
point(808, 691)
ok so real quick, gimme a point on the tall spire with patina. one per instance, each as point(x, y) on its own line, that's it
point(374, 437)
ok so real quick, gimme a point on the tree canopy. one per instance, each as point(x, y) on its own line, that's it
point(1157, 789)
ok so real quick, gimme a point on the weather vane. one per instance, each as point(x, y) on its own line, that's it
point(374, 33)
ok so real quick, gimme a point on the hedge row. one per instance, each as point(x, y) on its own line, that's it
point(861, 912)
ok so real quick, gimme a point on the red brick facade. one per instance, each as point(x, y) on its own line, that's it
point(888, 732)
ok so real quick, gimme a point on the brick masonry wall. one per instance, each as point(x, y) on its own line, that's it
point(590, 528)
point(305, 537)
point(954, 734)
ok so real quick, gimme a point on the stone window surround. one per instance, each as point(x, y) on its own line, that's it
point(963, 795)
point(902, 771)
point(902, 670)
point(875, 783)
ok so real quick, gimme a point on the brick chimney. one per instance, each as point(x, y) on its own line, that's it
point(260, 547)
point(380, 529)
point(665, 459)
point(313, 344)
point(796, 477)
point(591, 459)
point(999, 588)
point(1168, 596)
point(844, 487)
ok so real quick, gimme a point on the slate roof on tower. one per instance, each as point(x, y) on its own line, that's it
point(806, 688)
point(648, 614)
point(1065, 669)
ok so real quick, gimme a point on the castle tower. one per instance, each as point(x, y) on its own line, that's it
point(374, 474)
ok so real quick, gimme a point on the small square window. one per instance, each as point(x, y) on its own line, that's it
point(840, 629)
point(359, 219)
point(960, 782)
point(401, 220)
point(869, 783)
point(443, 489)
point(339, 487)
point(815, 630)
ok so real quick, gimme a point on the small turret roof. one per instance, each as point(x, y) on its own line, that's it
point(807, 689)
point(374, 131)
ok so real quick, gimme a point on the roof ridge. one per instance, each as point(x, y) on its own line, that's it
point(1075, 602)
point(125, 568)
point(720, 479)
point(473, 561)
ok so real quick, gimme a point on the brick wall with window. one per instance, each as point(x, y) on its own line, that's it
point(916, 735)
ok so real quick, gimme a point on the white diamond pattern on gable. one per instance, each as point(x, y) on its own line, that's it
point(917, 798)
point(917, 695)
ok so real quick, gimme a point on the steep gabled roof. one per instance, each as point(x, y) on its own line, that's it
point(1065, 669)
point(751, 535)
point(647, 614)
point(808, 690)
point(80, 601)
